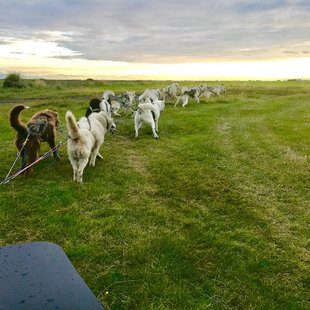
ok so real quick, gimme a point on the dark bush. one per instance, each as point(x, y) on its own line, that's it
point(13, 80)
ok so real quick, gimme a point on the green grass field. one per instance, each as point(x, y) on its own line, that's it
point(213, 215)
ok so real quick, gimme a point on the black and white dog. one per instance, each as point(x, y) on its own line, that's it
point(94, 106)
point(97, 105)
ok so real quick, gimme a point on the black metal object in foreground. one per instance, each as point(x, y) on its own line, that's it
point(39, 276)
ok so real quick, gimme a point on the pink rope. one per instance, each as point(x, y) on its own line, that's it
point(39, 159)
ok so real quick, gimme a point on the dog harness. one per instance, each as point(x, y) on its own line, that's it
point(94, 109)
point(38, 128)
point(122, 99)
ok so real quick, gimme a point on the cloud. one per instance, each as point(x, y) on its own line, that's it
point(158, 31)
point(23, 48)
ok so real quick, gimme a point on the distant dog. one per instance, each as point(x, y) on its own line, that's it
point(172, 91)
point(41, 128)
point(116, 102)
point(94, 106)
point(148, 113)
point(217, 90)
point(153, 95)
point(131, 96)
point(97, 105)
point(206, 94)
point(187, 93)
point(86, 137)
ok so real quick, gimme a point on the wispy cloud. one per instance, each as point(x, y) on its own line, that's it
point(137, 38)
point(14, 48)
point(162, 31)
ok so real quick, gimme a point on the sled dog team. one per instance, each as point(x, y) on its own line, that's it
point(87, 135)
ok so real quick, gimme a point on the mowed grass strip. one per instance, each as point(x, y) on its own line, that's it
point(213, 215)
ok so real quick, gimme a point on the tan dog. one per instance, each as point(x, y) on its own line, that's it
point(86, 137)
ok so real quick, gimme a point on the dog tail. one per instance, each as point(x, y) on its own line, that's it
point(72, 126)
point(108, 94)
point(16, 121)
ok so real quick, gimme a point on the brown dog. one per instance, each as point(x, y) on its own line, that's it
point(41, 128)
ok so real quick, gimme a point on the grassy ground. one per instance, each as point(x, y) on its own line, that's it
point(213, 215)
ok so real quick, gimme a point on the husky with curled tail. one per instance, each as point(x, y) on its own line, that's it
point(86, 137)
point(148, 113)
point(79, 145)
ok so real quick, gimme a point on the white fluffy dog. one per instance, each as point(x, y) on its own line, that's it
point(206, 94)
point(184, 99)
point(86, 137)
point(218, 89)
point(153, 95)
point(187, 93)
point(148, 113)
point(106, 107)
point(172, 91)
point(109, 96)
point(131, 96)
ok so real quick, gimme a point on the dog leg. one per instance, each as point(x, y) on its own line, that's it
point(92, 158)
point(99, 156)
point(185, 101)
point(154, 131)
point(52, 144)
point(176, 103)
point(137, 127)
point(79, 176)
point(74, 167)
point(93, 155)
point(82, 165)
point(22, 156)
point(156, 125)
point(30, 158)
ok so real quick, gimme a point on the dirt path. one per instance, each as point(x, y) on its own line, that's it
point(14, 101)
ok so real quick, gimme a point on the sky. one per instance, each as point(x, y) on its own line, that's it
point(155, 39)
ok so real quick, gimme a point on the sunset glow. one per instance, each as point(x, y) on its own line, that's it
point(45, 67)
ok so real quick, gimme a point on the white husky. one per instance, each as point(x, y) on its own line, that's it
point(86, 137)
point(153, 95)
point(148, 113)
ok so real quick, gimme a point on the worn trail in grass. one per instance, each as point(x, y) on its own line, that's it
point(214, 214)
